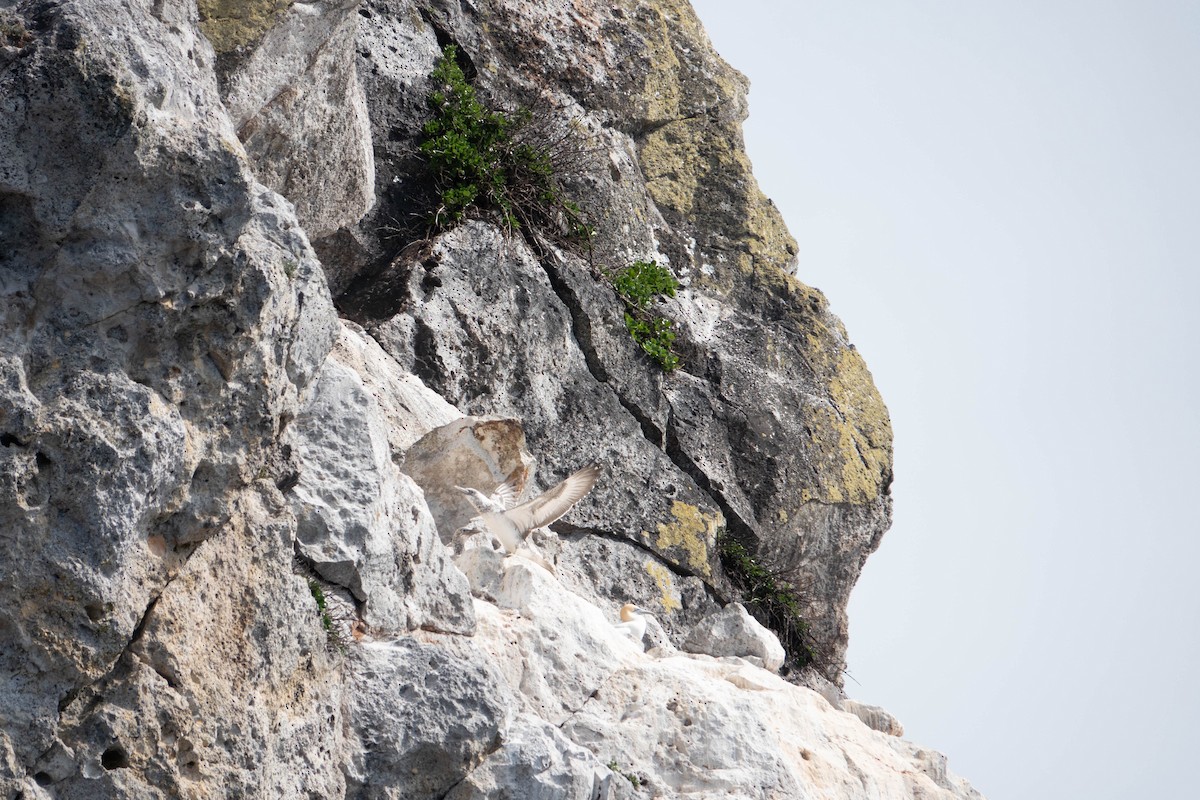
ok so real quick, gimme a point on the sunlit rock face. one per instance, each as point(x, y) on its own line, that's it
point(771, 429)
point(229, 559)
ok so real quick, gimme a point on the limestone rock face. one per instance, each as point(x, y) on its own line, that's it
point(537, 761)
point(351, 504)
point(875, 717)
point(225, 515)
point(683, 725)
point(289, 82)
point(733, 632)
point(425, 714)
point(162, 317)
point(771, 428)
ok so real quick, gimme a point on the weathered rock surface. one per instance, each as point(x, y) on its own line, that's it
point(289, 82)
point(733, 632)
point(161, 317)
point(360, 522)
point(687, 725)
point(500, 328)
point(222, 512)
point(425, 714)
point(537, 761)
point(874, 717)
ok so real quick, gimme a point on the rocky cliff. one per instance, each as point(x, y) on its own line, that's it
point(241, 372)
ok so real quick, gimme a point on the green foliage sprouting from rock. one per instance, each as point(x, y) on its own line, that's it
point(486, 160)
point(332, 635)
point(639, 286)
point(769, 596)
point(634, 779)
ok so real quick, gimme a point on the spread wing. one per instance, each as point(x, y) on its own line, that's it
point(505, 495)
point(549, 506)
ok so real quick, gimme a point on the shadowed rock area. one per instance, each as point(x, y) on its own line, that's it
point(228, 549)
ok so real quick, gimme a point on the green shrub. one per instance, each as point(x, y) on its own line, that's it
point(655, 337)
point(491, 161)
point(643, 281)
point(768, 596)
point(639, 285)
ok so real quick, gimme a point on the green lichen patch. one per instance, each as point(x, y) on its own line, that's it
point(851, 436)
point(671, 159)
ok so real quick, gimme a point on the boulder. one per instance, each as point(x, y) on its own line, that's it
point(733, 632)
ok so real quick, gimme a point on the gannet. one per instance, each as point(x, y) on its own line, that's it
point(632, 623)
point(512, 525)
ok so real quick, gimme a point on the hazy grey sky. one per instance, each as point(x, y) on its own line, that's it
point(1002, 201)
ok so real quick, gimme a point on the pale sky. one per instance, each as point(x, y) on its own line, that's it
point(1002, 202)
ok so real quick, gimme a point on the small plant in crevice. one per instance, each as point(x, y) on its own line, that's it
point(639, 286)
point(491, 161)
point(633, 778)
point(13, 31)
point(333, 635)
point(770, 597)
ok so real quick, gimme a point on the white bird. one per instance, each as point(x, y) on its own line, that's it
point(512, 525)
point(632, 623)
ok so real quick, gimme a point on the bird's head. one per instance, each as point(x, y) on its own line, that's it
point(629, 611)
point(477, 498)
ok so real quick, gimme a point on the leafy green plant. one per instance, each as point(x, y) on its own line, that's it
point(655, 338)
point(770, 597)
point(639, 285)
point(644, 281)
point(492, 161)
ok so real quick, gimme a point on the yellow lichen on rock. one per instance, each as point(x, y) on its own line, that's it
point(770, 243)
point(683, 146)
point(666, 585)
point(852, 436)
point(230, 24)
point(866, 422)
point(661, 88)
point(671, 161)
point(693, 531)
